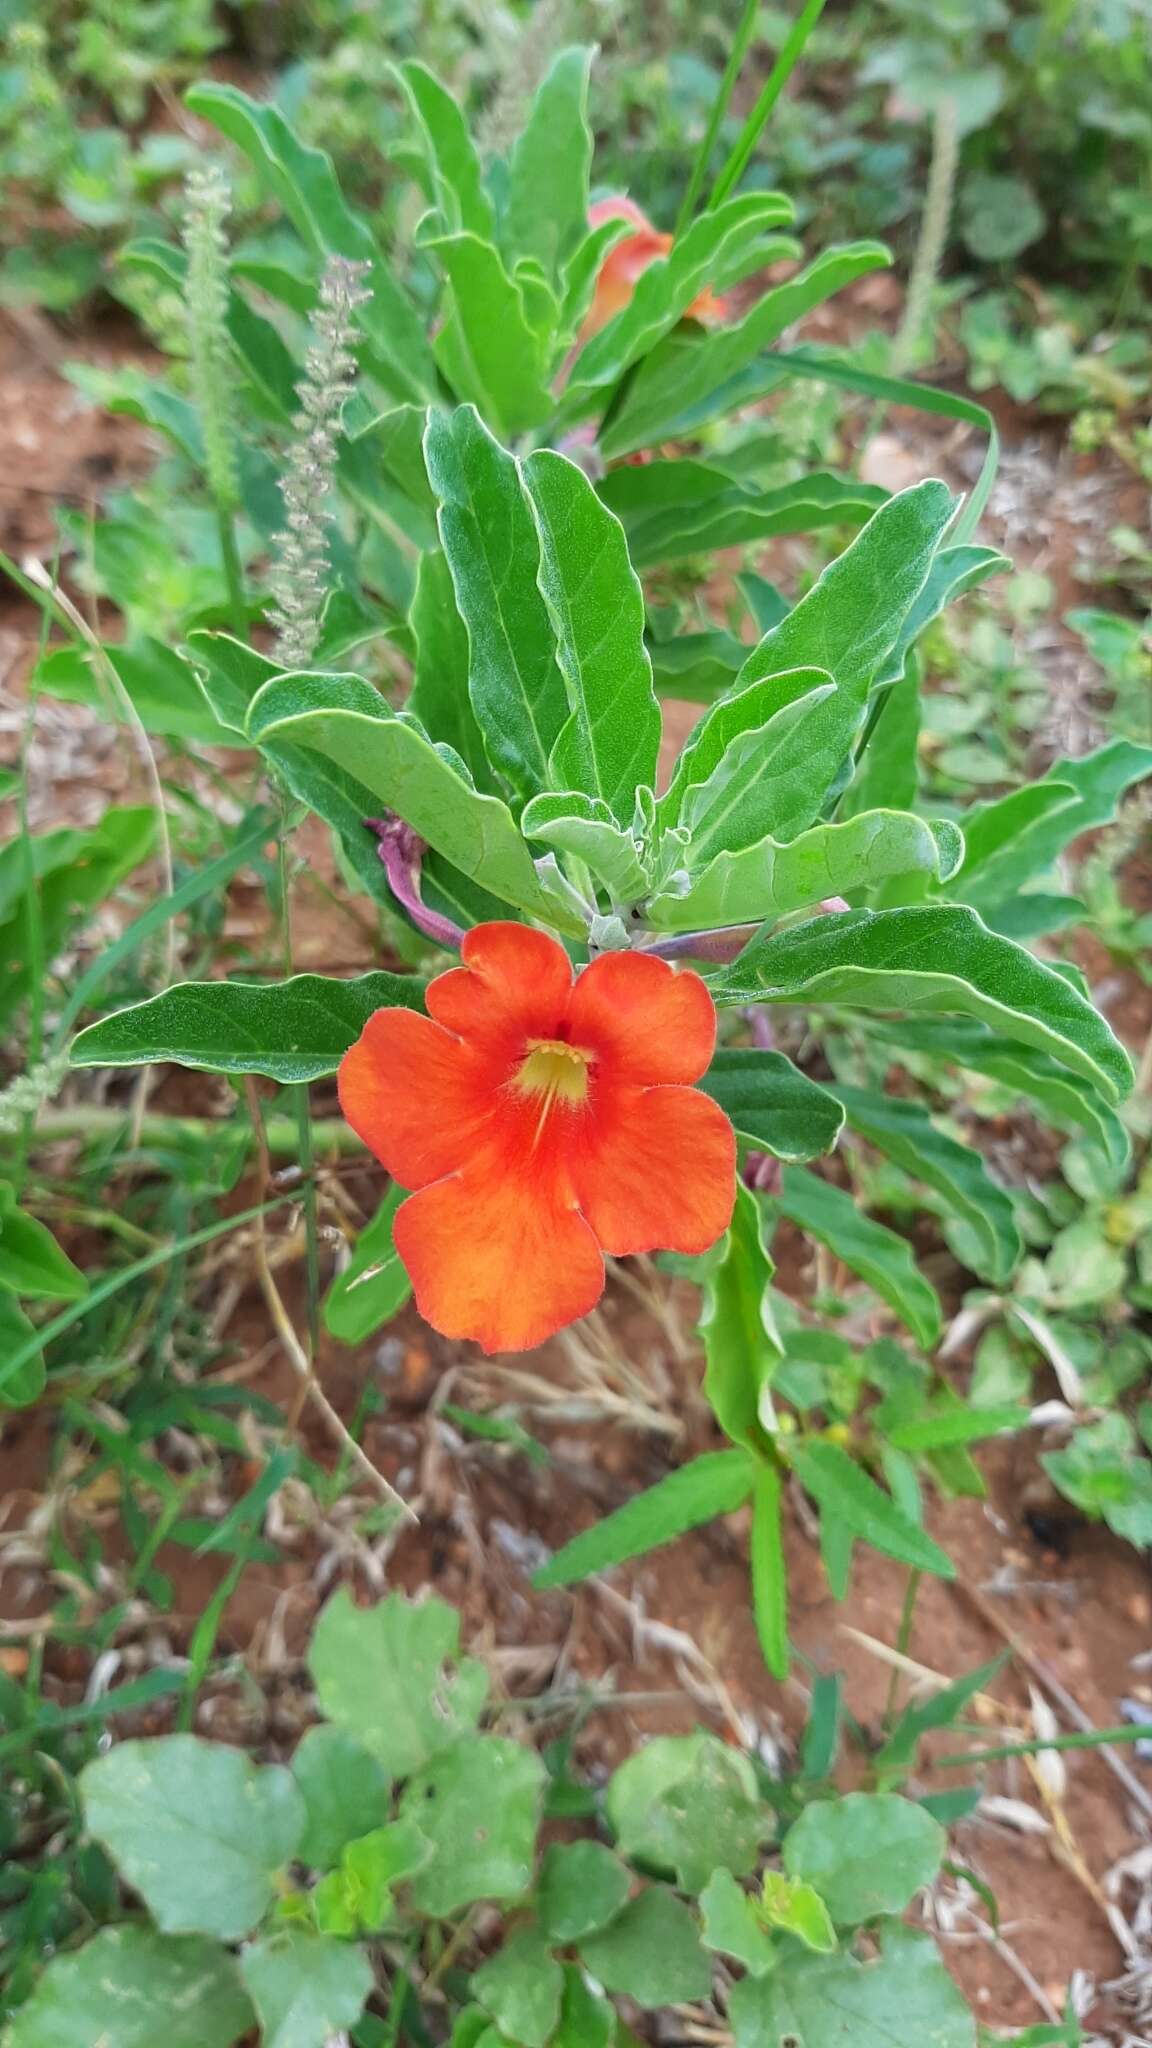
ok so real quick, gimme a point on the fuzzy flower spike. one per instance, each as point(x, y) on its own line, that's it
point(543, 1122)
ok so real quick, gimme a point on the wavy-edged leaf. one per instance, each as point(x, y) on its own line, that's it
point(768, 879)
point(493, 551)
point(903, 1997)
point(295, 1030)
point(1065, 1098)
point(772, 1104)
point(713, 1484)
point(879, 1255)
point(787, 697)
point(344, 719)
point(584, 826)
point(457, 176)
point(851, 620)
point(393, 1677)
point(931, 957)
point(1018, 837)
point(673, 382)
point(905, 1133)
point(738, 517)
point(488, 348)
point(303, 181)
point(610, 742)
point(888, 776)
point(846, 1493)
point(954, 570)
point(718, 248)
point(551, 161)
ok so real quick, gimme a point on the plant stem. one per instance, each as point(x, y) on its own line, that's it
point(932, 240)
point(744, 35)
point(301, 1095)
point(33, 910)
point(233, 571)
point(781, 72)
point(903, 1638)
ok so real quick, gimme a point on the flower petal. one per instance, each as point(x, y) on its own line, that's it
point(417, 1096)
point(514, 985)
point(646, 1021)
point(497, 1259)
point(655, 1170)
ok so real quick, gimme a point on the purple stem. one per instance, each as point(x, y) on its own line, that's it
point(402, 852)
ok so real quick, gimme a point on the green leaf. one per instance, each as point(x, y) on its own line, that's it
point(855, 1502)
point(760, 761)
point(673, 382)
point(492, 550)
point(374, 1864)
point(954, 570)
point(797, 1908)
point(688, 1805)
point(304, 183)
point(611, 739)
point(731, 1926)
point(866, 1853)
point(345, 1792)
point(1020, 836)
point(31, 1261)
point(905, 1133)
point(346, 721)
point(902, 1998)
point(196, 1829)
point(770, 1572)
point(931, 957)
point(488, 348)
point(156, 680)
point(772, 1105)
point(392, 1675)
point(582, 1886)
point(940, 1710)
point(651, 1952)
point(877, 1254)
point(954, 1425)
point(737, 517)
point(296, 1030)
point(548, 174)
point(77, 869)
point(1063, 1097)
point(23, 1384)
point(439, 694)
point(741, 1346)
point(587, 2018)
point(851, 620)
point(113, 1989)
point(306, 1988)
point(719, 247)
point(479, 1805)
point(711, 1485)
point(522, 1986)
point(370, 1291)
point(584, 826)
point(766, 880)
point(457, 176)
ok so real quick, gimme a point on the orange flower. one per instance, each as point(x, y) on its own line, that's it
point(543, 1123)
point(625, 263)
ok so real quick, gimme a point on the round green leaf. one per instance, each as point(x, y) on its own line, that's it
point(582, 1886)
point(381, 1673)
point(306, 1988)
point(479, 1806)
point(127, 1985)
point(866, 1854)
point(196, 1829)
point(689, 1804)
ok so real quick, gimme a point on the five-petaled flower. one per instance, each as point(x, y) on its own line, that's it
point(627, 261)
point(542, 1122)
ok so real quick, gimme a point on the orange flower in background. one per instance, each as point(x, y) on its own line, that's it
point(543, 1123)
point(628, 261)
